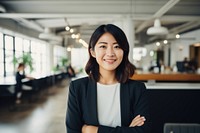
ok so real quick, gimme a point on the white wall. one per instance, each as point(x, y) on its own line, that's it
point(79, 58)
point(179, 48)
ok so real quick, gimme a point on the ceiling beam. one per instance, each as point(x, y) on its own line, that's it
point(158, 14)
point(165, 8)
point(184, 27)
point(30, 24)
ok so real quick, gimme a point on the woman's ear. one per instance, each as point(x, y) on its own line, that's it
point(92, 53)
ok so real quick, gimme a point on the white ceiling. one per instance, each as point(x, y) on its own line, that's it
point(180, 16)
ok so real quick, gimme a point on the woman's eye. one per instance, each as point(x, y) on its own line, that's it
point(102, 46)
point(116, 46)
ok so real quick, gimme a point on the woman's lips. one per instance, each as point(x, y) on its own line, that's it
point(110, 61)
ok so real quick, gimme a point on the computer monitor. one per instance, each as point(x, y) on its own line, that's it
point(180, 66)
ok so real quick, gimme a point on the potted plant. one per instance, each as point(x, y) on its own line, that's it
point(26, 59)
point(62, 64)
point(64, 61)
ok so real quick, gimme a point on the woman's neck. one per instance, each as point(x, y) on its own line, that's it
point(107, 78)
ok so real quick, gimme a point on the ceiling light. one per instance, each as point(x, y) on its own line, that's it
point(157, 43)
point(157, 29)
point(177, 36)
point(165, 41)
point(69, 49)
point(67, 28)
point(151, 53)
point(49, 35)
point(71, 30)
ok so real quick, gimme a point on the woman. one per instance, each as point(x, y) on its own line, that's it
point(107, 101)
point(19, 77)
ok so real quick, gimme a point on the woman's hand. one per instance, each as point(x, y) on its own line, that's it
point(137, 121)
point(89, 129)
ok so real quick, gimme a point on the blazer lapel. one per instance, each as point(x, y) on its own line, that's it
point(92, 101)
point(125, 104)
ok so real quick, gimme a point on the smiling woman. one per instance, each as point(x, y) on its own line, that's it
point(107, 53)
point(107, 100)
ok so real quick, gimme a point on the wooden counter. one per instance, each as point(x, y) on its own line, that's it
point(167, 77)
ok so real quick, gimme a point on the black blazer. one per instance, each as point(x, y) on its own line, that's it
point(82, 106)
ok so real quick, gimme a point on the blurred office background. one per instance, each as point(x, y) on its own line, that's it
point(164, 37)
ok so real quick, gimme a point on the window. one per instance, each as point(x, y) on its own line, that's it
point(18, 44)
point(9, 54)
point(12, 46)
point(59, 53)
point(18, 47)
point(26, 45)
point(39, 55)
point(1, 56)
point(8, 42)
point(79, 57)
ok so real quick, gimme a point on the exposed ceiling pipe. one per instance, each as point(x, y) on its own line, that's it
point(47, 34)
point(158, 14)
point(165, 8)
point(29, 23)
point(184, 27)
point(2, 9)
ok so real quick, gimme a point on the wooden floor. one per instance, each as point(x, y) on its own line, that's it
point(45, 114)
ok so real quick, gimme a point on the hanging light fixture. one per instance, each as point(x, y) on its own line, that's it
point(67, 28)
point(157, 29)
point(49, 35)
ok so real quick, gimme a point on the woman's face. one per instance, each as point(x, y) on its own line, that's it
point(107, 52)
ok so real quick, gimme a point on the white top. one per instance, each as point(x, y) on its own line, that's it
point(108, 104)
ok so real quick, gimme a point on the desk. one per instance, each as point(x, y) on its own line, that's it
point(173, 98)
point(173, 77)
point(173, 86)
point(7, 85)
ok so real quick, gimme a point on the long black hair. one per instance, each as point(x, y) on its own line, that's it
point(125, 70)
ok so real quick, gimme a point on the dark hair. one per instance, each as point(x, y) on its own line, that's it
point(125, 69)
point(21, 65)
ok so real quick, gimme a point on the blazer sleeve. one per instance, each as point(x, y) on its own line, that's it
point(73, 117)
point(141, 107)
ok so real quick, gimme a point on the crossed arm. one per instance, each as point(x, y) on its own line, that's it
point(137, 121)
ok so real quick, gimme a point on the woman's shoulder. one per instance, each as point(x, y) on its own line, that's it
point(138, 85)
point(135, 82)
point(81, 85)
point(81, 82)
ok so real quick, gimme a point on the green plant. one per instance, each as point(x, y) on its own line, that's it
point(64, 61)
point(26, 59)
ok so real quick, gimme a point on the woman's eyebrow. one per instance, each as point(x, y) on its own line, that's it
point(106, 43)
point(102, 43)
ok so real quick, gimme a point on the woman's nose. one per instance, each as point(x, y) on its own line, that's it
point(110, 51)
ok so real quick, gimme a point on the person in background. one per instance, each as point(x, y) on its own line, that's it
point(193, 64)
point(70, 71)
point(18, 77)
point(186, 66)
point(108, 101)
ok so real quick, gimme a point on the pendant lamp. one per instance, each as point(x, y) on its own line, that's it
point(157, 29)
